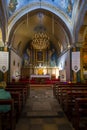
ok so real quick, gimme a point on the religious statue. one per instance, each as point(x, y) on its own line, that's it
point(26, 57)
point(52, 58)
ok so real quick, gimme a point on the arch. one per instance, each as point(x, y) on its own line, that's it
point(59, 25)
point(46, 6)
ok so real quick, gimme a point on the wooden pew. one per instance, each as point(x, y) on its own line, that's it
point(61, 92)
point(19, 86)
point(22, 85)
point(8, 118)
point(20, 90)
point(60, 89)
point(55, 91)
point(68, 91)
point(17, 103)
point(57, 88)
point(18, 83)
point(17, 100)
point(69, 102)
point(66, 95)
point(80, 112)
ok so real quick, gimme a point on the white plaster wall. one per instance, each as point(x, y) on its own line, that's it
point(15, 69)
point(64, 64)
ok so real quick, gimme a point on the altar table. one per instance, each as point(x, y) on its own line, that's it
point(40, 76)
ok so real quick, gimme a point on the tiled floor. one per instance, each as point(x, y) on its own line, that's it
point(42, 112)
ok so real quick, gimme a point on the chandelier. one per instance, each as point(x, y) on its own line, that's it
point(40, 40)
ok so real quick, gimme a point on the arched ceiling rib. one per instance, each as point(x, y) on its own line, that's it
point(23, 31)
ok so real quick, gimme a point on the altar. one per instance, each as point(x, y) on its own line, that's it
point(34, 76)
point(39, 79)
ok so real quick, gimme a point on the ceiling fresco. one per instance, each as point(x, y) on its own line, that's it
point(65, 5)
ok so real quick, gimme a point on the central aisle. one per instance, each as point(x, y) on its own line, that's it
point(41, 103)
point(42, 112)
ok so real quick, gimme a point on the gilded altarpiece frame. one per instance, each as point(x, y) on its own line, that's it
point(39, 57)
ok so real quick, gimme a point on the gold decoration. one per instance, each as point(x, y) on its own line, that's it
point(40, 41)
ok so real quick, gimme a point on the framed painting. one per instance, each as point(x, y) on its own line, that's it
point(39, 56)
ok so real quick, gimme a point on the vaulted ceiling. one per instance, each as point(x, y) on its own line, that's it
point(24, 29)
point(58, 25)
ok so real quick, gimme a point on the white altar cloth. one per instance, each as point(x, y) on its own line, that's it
point(40, 76)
